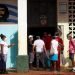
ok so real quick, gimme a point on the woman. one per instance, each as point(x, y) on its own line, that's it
point(3, 53)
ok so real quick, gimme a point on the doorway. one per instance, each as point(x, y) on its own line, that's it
point(41, 17)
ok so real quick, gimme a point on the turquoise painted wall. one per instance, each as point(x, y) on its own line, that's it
point(11, 31)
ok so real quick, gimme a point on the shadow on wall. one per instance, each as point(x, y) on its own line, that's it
point(14, 49)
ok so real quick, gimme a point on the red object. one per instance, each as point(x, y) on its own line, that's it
point(59, 51)
point(47, 39)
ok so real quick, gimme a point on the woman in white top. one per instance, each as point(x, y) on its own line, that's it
point(3, 53)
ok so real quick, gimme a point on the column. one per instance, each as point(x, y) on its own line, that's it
point(22, 58)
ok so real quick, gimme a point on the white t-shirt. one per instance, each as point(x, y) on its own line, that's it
point(5, 47)
point(54, 46)
point(39, 45)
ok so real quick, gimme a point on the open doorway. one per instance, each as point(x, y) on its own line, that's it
point(41, 17)
point(38, 31)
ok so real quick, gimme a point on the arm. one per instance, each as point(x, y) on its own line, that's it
point(45, 51)
point(61, 45)
point(44, 48)
point(10, 45)
point(33, 48)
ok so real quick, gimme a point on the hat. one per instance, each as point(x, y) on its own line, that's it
point(30, 36)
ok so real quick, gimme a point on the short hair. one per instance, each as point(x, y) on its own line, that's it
point(38, 37)
point(53, 37)
point(2, 36)
point(67, 35)
point(30, 36)
point(57, 34)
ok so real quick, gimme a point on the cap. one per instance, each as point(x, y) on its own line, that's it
point(30, 36)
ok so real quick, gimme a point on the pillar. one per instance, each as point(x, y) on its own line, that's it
point(22, 58)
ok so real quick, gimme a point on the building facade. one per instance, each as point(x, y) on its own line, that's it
point(15, 28)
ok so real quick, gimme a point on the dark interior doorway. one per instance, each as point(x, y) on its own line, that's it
point(41, 17)
point(38, 31)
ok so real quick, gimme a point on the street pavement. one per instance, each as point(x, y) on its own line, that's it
point(31, 72)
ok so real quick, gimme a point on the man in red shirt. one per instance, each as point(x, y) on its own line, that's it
point(60, 49)
point(47, 39)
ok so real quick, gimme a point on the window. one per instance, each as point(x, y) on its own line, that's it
point(71, 12)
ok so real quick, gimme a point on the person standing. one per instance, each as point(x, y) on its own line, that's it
point(47, 39)
point(71, 49)
point(60, 49)
point(4, 52)
point(54, 52)
point(39, 47)
point(30, 52)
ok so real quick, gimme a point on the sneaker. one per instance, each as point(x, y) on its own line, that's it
point(73, 70)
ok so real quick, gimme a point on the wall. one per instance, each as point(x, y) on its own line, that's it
point(63, 21)
point(10, 29)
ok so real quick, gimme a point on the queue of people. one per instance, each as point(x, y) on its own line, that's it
point(48, 49)
point(45, 49)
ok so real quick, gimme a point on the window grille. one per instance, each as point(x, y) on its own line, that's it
point(71, 12)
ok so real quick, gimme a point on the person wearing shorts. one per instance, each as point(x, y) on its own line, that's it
point(54, 52)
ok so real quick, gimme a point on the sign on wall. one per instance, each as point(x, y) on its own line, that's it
point(8, 11)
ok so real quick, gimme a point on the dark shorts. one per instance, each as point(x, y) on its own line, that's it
point(71, 56)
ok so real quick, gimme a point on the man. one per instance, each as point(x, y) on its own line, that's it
point(71, 49)
point(60, 49)
point(30, 53)
point(54, 52)
point(39, 46)
point(47, 39)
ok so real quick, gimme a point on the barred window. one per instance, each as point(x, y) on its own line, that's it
point(71, 16)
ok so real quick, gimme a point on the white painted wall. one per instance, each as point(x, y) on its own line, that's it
point(22, 27)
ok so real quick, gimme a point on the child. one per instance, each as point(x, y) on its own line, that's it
point(3, 53)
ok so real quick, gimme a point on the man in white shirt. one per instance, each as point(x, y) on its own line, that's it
point(54, 52)
point(39, 46)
